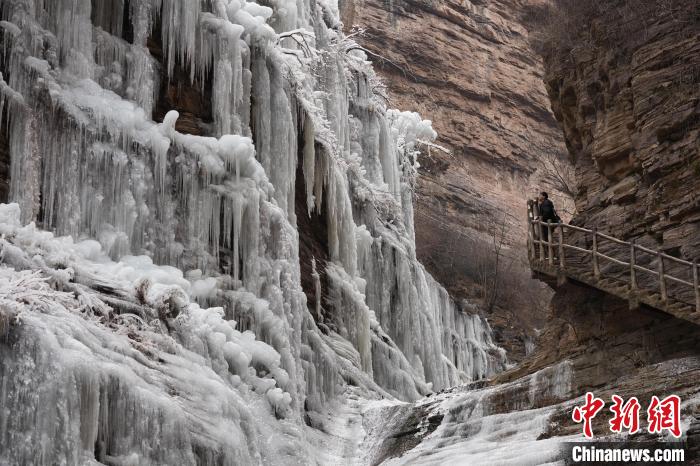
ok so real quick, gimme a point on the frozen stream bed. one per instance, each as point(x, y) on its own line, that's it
point(526, 421)
point(463, 425)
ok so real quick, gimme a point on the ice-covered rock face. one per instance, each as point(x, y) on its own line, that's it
point(168, 219)
point(502, 424)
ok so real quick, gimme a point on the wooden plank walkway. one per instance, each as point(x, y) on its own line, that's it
point(621, 268)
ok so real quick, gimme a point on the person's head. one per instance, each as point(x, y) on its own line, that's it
point(543, 195)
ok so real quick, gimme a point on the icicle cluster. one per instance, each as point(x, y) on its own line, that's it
point(81, 82)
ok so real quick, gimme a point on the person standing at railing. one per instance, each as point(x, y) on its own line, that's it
point(547, 213)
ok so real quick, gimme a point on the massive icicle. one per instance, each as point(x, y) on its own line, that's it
point(218, 213)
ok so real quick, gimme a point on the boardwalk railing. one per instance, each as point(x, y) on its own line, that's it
point(623, 268)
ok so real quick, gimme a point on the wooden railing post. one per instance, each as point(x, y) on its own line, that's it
point(633, 297)
point(541, 230)
point(696, 285)
point(562, 260)
point(550, 246)
point(633, 271)
point(594, 253)
point(529, 228)
point(662, 278)
point(531, 231)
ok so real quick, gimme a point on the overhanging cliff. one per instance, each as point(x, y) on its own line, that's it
point(628, 98)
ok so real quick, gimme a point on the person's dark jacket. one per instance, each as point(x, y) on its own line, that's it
point(547, 211)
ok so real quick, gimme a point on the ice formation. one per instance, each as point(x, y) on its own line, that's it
point(167, 301)
point(496, 425)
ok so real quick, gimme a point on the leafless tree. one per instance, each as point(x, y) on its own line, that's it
point(557, 171)
point(484, 267)
point(491, 262)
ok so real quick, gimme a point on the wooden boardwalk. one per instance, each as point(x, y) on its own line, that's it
point(624, 269)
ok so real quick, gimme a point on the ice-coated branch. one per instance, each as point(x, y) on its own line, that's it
point(355, 46)
point(300, 31)
point(356, 32)
point(432, 145)
point(299, 36)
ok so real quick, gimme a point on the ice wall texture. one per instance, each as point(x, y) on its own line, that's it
point(216, 212)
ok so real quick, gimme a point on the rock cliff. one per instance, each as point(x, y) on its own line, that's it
point(628, 98)
point(623, 80)
point(470, 68)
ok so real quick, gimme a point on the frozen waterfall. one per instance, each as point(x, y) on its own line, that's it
point(155, 305)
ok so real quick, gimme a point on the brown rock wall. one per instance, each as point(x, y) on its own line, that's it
point(628, 98)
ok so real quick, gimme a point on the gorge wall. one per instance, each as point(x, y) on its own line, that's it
point(469, 68)
point(628, 98)
point(624, 83)
point(623, 79)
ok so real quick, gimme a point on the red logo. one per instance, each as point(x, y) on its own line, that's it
point(625, 415)
point(665, 414)
point(587, 412)
point(661, 414)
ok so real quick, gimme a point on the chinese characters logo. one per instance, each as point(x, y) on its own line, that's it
point(661, 414)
